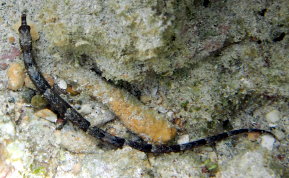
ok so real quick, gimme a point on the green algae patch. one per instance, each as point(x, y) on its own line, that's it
point(38, 102)
point(39, 171)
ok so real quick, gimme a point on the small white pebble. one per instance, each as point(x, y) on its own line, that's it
point(170, 114)
point(62, 84)
point(7, 129)
point(267, 142)
point(81, 43)
point(162, 110)
point(247, 82)
point(102, 111)
point(76, 168)
point(47, 114)
point(273, 116)
point(272, 125)
point(85, 109)
point(183, 139)
point(154, 91)
point(102, 117)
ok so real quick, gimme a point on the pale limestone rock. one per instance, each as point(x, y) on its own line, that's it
point(46, 114)
point(251, 164)
point(16, 76)
point(273, 116)
point(267, 142)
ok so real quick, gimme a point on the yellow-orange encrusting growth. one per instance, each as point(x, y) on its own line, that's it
point(145, 122)
point(141, 120)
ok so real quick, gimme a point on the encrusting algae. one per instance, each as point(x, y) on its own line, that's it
point(145, 122)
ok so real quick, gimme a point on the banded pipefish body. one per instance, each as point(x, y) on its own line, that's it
point(66, 111)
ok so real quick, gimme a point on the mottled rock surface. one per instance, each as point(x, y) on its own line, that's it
point(205, 66)
point(15, 74)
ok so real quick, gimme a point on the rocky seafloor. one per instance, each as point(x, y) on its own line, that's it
point(204, 66)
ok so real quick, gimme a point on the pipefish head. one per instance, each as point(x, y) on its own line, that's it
point(25, 36)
